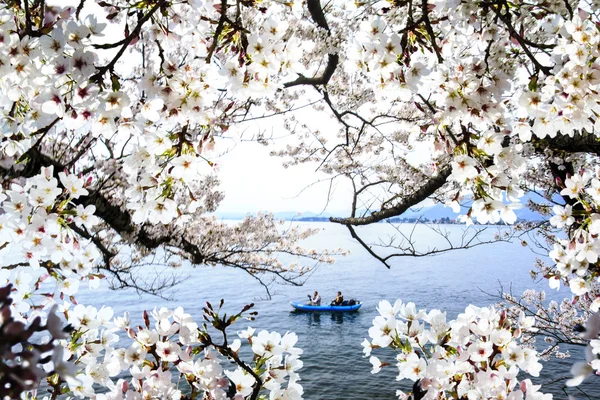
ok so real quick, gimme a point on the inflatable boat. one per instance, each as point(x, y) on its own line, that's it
point(309, 307)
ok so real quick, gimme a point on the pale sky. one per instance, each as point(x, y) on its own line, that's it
point(252, 180)
point(255, 181)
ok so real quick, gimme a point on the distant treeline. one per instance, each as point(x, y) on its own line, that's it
point(397, 220)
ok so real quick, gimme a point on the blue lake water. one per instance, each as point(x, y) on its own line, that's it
point(333, 364)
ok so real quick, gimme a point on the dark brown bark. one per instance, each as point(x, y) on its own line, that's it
point(316, 12)
point(426, 190)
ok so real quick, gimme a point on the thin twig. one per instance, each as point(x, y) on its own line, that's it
point(218, 31)
point(125, 42)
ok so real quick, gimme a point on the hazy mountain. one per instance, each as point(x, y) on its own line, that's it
point(437, 211)
point(440, 211)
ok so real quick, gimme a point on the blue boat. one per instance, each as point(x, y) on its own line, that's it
point(308, 307)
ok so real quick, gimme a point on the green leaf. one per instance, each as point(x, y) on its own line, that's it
point(68, 212)
point(533, 83)
point(116, 84)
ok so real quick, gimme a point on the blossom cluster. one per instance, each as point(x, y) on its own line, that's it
point(477, 355)
point(472, 93)
point(591, 365)
point(37, 227)
point(576, 256)
point(554, 321)
point(54, 82)
point(47, 79)
point(170, 347)
point(172, 125)
point(561, 326)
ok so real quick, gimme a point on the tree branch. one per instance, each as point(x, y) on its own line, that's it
point(317, 14)
point(218, 31)
point(429, 29)
point(513, 33)
point(79, 7)
point(427, 189)
point(365, 245)
point(124, 43)
point(580, 143)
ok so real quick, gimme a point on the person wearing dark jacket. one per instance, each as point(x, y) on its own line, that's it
point(338, 300)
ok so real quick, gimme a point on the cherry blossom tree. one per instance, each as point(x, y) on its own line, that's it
point(105, 161)
point(111, 112)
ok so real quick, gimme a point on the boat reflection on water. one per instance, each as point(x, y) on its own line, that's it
point(339, 318)
point(315, 318)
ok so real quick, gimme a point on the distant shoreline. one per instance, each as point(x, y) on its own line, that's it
point(397, 220)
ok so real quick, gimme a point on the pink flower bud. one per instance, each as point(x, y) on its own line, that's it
point(130, 332)
point(146, 319)
point(223, 383)
point(66, 13)
point(426, 383)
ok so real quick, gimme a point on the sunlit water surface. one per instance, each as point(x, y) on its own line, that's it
point(333, 364)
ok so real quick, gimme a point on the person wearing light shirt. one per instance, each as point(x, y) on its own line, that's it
point(316, 299)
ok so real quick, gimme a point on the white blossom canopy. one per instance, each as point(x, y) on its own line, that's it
point(107, 143)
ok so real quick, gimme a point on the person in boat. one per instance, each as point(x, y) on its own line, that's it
point(315, 300)
point(338, 300)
